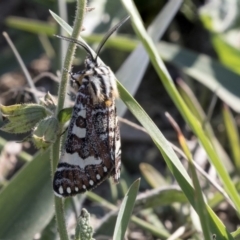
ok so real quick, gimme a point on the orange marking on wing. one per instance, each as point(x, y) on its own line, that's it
point(108, 103)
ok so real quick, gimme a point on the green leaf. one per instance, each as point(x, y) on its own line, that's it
point(22, 117)
point(233, 135)
point(125, 211)
point(65, 115)
point(61, 22)
point(26, 203)
point(228, 54)
point(152, 176)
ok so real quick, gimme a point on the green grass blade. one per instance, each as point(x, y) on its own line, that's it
point(131, 77)
point(62, 23)
point(193, 104)
point(152, 176)
point(233, 135)
point(26, 203)
point(212, 74)
point(171, 159)
point(180, 104)
point(125, 211)
point(139, 222)
point(31, 25)
point(199, 199)
point(227, 54)
point(162, 196)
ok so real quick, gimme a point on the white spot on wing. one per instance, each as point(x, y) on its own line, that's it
point(82, 113)
point(83, 186)
point(74, 159)
point(69, 190)
point(79, 132)
point(76, 189)
point(105, 169)
point(98, 176)
point(103, 136)
point(79, 105)
point(60, 190)
point(91, 182)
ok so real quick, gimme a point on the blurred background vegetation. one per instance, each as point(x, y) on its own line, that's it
point(199, 42)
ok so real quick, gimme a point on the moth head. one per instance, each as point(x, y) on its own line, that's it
point(89, 66)
point(90, 63)
point(77, 77)
point(86, 47)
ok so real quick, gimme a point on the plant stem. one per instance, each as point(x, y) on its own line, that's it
point(81, 5)
point(59, 203)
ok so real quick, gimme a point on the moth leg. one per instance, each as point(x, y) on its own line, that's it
point(63, 132)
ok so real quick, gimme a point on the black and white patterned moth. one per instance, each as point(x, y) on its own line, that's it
point(92, 149)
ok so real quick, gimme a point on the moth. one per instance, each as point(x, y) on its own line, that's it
point(92, 150)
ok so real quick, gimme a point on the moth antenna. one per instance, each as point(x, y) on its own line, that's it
point(109, 33)
point(83, 45)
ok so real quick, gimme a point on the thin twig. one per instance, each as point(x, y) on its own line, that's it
point(59, 203)
point(24, 69)
point(46, 74)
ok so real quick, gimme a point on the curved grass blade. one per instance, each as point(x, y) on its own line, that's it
point(160, 197)
point(26, 203)
point(212, 74)
point(180, 104)
point(125, 211)
point(171, 159)
point(233, 135)
point(152, 176)
point(31, 25)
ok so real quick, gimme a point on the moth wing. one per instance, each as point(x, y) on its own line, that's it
point(107, 137)
point(117, 150)
point(100, 134)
